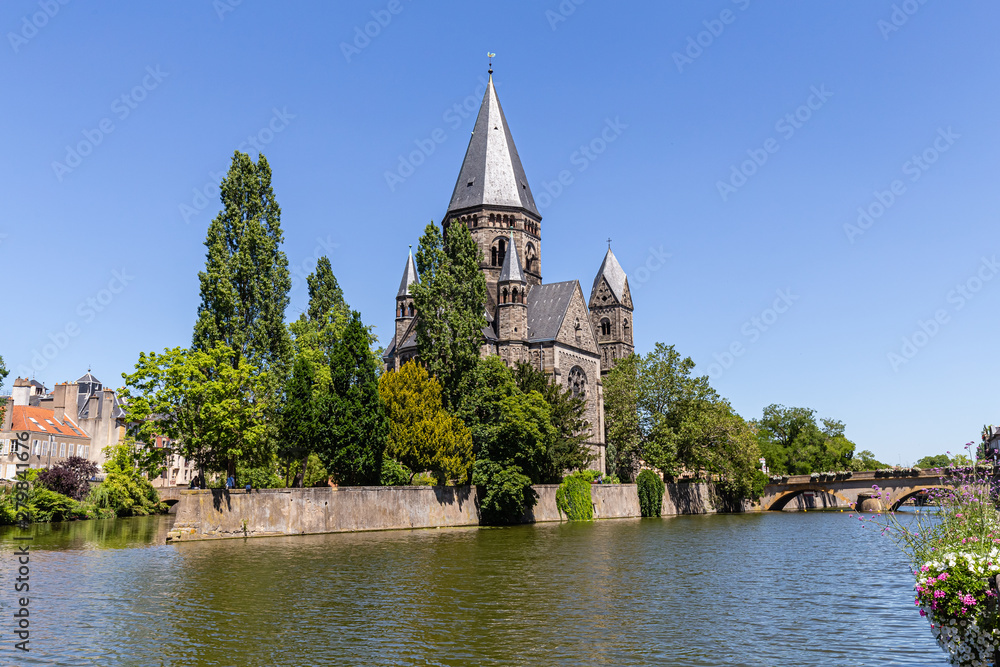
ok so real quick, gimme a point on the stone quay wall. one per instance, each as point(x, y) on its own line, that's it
point(221, 513)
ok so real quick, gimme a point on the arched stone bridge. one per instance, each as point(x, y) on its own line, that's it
point(170, 494)
point(802, 492)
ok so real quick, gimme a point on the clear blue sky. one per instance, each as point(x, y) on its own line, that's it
point(198, 78)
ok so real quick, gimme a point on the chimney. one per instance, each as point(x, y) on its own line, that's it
point(60, 394)
point(22, 391)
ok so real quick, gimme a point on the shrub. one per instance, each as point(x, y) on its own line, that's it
point(126, 493)
point(573, 498)
point(506, 493)
point(650, 488)
point(69, 478)
point(262, 477)
point(394, 473)
point(46, 505)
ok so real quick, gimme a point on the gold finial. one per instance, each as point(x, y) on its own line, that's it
point(491, 56)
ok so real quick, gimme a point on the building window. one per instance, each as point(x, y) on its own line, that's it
point(45, 447)
point(37, 448)
point(498, 251)
point(62, 449)
point(578, 382)
point(605, 327)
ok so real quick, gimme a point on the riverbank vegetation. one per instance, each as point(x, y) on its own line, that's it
point(64, 492)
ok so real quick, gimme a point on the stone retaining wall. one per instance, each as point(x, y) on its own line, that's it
point(220, 513)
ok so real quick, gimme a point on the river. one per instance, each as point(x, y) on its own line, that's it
point(773, 589)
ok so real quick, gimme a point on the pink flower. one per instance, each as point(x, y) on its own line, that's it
point(939, 594)
point(924, 613)
point(942, 576)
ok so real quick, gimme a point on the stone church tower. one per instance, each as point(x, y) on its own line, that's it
point(611, 312)
point(546, 325)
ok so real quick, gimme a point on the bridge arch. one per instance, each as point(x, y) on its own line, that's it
point(910, 493)
point(779, 503)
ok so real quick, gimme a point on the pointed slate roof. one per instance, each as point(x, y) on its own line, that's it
point(511, 271)
point(613, 272)
point(409, 277)
point(491, 173)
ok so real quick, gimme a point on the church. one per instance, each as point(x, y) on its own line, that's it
point(552, 326)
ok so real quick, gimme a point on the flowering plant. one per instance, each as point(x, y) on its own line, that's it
point(955, 558)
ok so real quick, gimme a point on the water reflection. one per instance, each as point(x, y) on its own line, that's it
point(776, 589)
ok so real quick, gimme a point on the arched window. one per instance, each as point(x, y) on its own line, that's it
point(410, 310)
point(529, 256)
point(492, 217)
point(578, 382)
point(498, 251)
point(513, 296)
point(503, 298)
point(605, 327)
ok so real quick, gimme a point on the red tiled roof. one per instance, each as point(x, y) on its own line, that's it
point(22, 415)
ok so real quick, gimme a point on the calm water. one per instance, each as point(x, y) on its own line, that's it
point(772, 589)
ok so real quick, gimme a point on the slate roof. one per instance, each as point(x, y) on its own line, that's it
point(409, 277)
point(511, 271)
point(547, 305)
point(615, 275)
point(491, 173)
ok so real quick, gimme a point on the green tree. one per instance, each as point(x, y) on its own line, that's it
point(622, 428)
point(245, 284)
point(299, 416)
point(352, 417)
point(793, 443)
point(512, 436)
point(422, 435)
point(199, 398)
point(568, 450)
point(449, 300)
point(125, 490)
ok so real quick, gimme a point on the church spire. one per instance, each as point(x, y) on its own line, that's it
point(491, 173)
point(612, 272)
point(511, 271)
point(409, 276)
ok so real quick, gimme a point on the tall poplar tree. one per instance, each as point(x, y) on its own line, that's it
point(315, 334)
point(449, 299)
point(351, 423)
point(245, 284)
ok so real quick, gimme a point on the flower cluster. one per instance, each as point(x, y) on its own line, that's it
point(952, 591)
